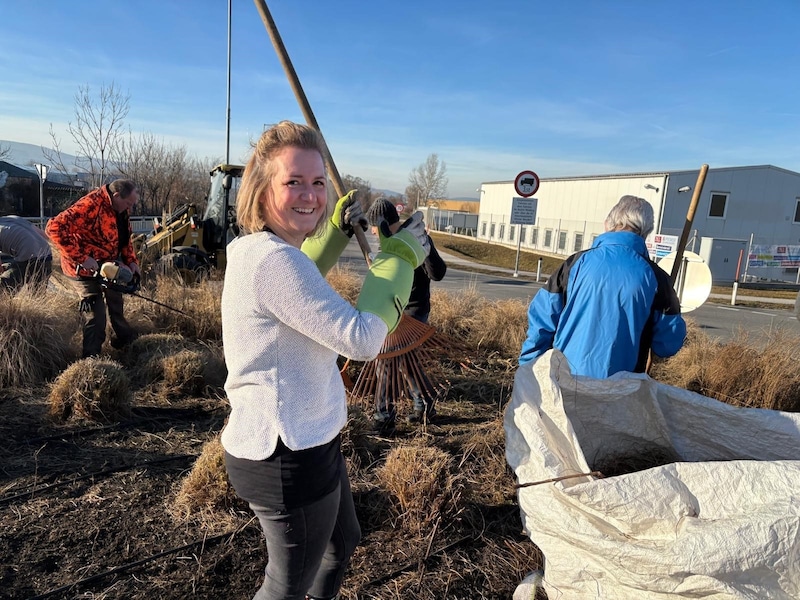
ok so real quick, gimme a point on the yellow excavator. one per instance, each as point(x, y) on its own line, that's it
point(188, 243)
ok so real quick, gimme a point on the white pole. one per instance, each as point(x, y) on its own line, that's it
point(538, 269)
point(747, 263)
point(516, 262)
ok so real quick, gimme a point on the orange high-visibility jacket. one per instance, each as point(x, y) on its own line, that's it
point(89, 228)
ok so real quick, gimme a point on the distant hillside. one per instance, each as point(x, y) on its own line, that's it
point(26, 155)
point(387, 193)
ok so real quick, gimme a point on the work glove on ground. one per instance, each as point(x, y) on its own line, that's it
point(388, 283)
point(348, 214)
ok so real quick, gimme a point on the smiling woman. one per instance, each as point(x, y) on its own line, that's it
point(283, 328)
point(295, 202)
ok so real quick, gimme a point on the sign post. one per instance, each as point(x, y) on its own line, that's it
point(523, 210)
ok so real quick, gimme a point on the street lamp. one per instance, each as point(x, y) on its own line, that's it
point(42, 171)
point(650, 187)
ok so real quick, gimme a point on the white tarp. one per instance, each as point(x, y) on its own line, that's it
point(722, 523)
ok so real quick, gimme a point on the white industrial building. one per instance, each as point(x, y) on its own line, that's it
point(753, 209)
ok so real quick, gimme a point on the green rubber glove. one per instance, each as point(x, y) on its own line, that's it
point(348, 211)
point(386, 288)
point(411, 242)
point(387, 285)
point(326, 247)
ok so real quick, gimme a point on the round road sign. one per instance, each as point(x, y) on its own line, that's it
point(526, 184)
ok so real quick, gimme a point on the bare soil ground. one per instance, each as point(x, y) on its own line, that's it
point(87, 510)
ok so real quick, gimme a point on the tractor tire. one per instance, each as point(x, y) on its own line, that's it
point(192, 268)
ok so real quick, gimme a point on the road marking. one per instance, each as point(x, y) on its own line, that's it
point(728, 308)
point(755, 312)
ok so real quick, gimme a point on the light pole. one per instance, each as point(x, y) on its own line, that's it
point(42, 171)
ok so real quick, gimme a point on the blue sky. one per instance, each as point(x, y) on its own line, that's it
point(563, 88)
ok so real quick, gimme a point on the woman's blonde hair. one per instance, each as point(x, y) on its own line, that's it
point(260, 170)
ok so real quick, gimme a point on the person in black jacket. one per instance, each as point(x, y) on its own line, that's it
point(418, 307)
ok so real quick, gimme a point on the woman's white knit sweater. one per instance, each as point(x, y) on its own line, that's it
point(283, 327)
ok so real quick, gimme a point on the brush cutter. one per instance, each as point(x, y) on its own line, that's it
point(117, 277)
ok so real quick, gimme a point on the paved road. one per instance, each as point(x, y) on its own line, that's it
point(717, 320)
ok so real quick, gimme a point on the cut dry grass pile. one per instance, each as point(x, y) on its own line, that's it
point(200, 303)
point(205, 493)
point(346, 282)
point(36, 330)
point(647, 456)
point(91, 389)
point(422, 484)
point(737, 372)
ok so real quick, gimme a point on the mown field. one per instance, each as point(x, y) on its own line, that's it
point(112, 484)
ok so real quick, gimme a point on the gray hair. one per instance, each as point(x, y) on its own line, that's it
point(631, 213)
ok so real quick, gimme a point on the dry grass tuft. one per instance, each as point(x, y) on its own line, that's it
point(35, 336)
point(346, 282)
point(468, 318)
point(501, 326)
point(421, 483)
point(91, 389)
point(182, 365)
point(453, 314)
point(200, 302)
point(205, 492)
point(737, 372)
point(184, 372)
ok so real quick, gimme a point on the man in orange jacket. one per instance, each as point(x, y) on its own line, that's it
point(92, 231)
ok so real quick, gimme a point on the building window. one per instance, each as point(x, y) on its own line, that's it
point(718, 204)
point(797, 212)
point(502, 231)
point(548, 238)
point(483, 229)
point(594, 237)
point(562, 240)
point(522, 232)
point(578, 246)
point(534, 236)
point(511, 233)
point(491, 230)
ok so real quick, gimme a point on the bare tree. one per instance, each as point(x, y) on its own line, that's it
point(97, 132)
point(364, 189)
point(166, 176)
point(427, 181)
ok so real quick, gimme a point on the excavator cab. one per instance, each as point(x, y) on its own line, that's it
point(190, 244)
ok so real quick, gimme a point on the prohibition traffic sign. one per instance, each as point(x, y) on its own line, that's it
point(526, 183)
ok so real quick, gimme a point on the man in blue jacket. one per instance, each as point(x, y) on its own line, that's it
point(606, 307)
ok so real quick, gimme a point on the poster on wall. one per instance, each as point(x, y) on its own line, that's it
point(774, 256)
point(661, 245)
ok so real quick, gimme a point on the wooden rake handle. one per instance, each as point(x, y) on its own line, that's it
point(302, 100)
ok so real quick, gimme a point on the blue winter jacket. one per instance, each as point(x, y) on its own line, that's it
point(605, 308)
